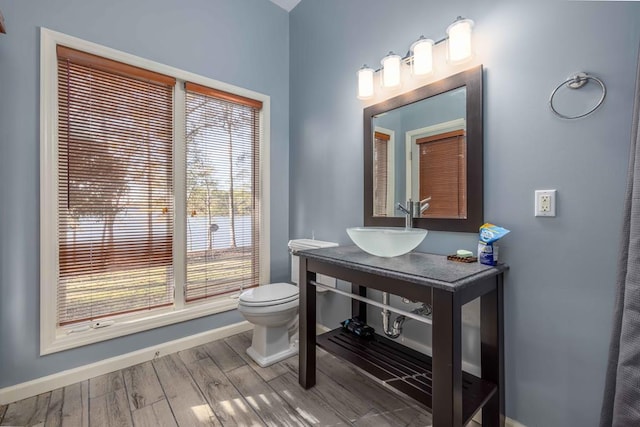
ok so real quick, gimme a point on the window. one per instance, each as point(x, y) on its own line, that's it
point(115, 192)
point(222, 192)
point(154, 201)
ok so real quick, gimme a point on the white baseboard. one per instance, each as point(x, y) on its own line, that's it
point(82, 373)
point(321, 329)
point(508, 422)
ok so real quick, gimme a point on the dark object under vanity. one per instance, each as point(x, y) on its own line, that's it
point(358, 328)
point(438, 382)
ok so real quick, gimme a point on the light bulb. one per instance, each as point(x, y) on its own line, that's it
point(422, 63)
point(365, 82)
point(391, 70)
point(459, 40)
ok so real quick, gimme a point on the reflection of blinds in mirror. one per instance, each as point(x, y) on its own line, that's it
point(443, 174)
point(380, 173)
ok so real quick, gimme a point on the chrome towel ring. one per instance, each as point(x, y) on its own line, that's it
point(576, 82)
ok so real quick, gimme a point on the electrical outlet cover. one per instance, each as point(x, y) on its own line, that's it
point(545, 203)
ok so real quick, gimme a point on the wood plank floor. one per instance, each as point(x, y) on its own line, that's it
point(217, 384)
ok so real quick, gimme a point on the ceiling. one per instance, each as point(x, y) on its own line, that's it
point(286, 4)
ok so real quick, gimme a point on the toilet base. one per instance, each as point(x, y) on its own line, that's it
point(271, 345)
point(263, 361)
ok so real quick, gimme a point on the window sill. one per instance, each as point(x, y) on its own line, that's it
point(130, 325)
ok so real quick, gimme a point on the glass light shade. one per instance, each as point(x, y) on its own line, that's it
point(391, 70)
point(365, 82)
point(459, 40)
point(422, 63)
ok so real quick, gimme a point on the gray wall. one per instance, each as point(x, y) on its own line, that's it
point(560, 289)
point(244, 43)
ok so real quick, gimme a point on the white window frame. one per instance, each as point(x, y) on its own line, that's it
point(53, 338)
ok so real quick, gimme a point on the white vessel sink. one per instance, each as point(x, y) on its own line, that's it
point(386, 241)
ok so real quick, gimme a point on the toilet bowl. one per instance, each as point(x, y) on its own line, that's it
point(273, 310)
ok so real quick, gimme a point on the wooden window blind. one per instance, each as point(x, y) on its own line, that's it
point(443, 174)
point(380, 173)
point(223, 210)
point(115, 191)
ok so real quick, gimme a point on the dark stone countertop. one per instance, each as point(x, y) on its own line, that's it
point(415, 267)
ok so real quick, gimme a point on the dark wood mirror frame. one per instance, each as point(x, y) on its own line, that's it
point(472, 79)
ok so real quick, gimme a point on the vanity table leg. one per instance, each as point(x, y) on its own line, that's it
point(447, 360)
point(307, 330)
point(492, 351)
point(359, 308)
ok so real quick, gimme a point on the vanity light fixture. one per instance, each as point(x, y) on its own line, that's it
point(419, 57)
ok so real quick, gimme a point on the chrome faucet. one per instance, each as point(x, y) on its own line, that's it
point(408, 213)
point(413, 210)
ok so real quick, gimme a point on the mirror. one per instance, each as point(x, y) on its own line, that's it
point(426, 145)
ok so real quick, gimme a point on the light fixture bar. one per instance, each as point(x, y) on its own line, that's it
point(459, 49)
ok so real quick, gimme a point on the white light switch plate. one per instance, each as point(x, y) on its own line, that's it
point(545, 203)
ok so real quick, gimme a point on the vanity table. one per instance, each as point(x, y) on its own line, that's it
point(438, 382)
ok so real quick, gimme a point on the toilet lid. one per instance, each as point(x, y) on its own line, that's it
point(274, 293)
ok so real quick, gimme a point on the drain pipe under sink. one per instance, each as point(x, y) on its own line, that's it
point(396, 329)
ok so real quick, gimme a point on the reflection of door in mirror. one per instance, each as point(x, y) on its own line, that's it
point(383, 172)
point(437, 168)
point(442, 167)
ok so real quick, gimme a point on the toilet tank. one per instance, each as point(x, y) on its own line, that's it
point(302, 244)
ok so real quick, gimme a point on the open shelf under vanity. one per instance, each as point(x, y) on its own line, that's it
point(402, 368)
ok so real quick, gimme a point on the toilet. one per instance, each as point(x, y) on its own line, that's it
point(273, 310)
